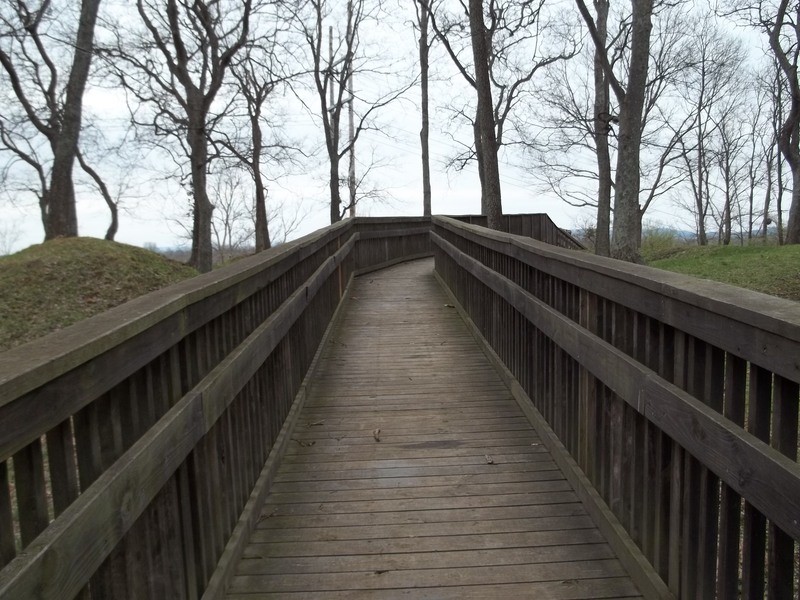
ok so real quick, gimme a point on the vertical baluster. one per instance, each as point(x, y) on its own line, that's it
point(678, 476)
point(783, 570)
point(8, 546)
point(755, 524)
point(63, 470)
point(730, 502)
point(693, 504)
point(710, 389)
point(665, 453)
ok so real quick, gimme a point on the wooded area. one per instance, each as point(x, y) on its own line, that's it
point(630, 108)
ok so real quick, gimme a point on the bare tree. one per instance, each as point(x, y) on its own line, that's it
point(784, 38)
point(574, 146)
point(258, 72)
point(712, 78)
point(43, 106)
point(627, 229)
point(9, 236)
point(602, 127)
point(174, 69)
point(424, 134)
point(772, 87)
point(779, 22)
point(232, 226)
point(485, 117)
point(332, 67)
point(521, 38)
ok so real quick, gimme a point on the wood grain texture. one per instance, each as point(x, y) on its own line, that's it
point(413, 473)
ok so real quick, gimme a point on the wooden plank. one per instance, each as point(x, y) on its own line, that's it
point(398, 561)
point(561, 493)
point(275, 520)
point(449, 543)
point(417, 482)
point(424, 471)
point(422, 530)
point(427, 578)
point(619, 588)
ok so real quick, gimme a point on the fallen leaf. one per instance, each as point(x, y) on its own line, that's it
point(377, 435)
point(449, 306)
point(316, 423)
point(489, 459)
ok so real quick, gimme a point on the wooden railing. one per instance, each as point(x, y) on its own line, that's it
point(134, 445)
point(675, 398)
point(538, 226)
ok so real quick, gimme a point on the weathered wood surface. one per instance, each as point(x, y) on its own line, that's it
point(453, 497)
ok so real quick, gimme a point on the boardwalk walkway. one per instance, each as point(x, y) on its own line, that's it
point(412, 473)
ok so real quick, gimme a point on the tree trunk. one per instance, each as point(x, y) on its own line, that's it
point(793, 224)
point(488, 141)
point(351, 167)
point(336, 199)
point(202, 254)
point(601, 125)
point(113, 227)
point(727, 210)
point(476, 132)
point(627, 215)
point(62, 219)
point(424, 131)
point(789, 139)
point(767, 198)
point(702, 237)
point(263, 241)
point(779, 201)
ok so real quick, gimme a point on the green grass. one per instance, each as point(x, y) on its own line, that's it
point(772, 270)
point(52, 285)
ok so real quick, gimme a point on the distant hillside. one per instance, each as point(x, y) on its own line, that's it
point(52, 285)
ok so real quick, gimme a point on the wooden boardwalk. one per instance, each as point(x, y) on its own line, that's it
point(412, 473)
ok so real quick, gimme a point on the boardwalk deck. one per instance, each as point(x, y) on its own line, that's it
point(412, 473)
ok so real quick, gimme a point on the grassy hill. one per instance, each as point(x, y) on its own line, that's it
point(772, 270)
point(52, 285)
